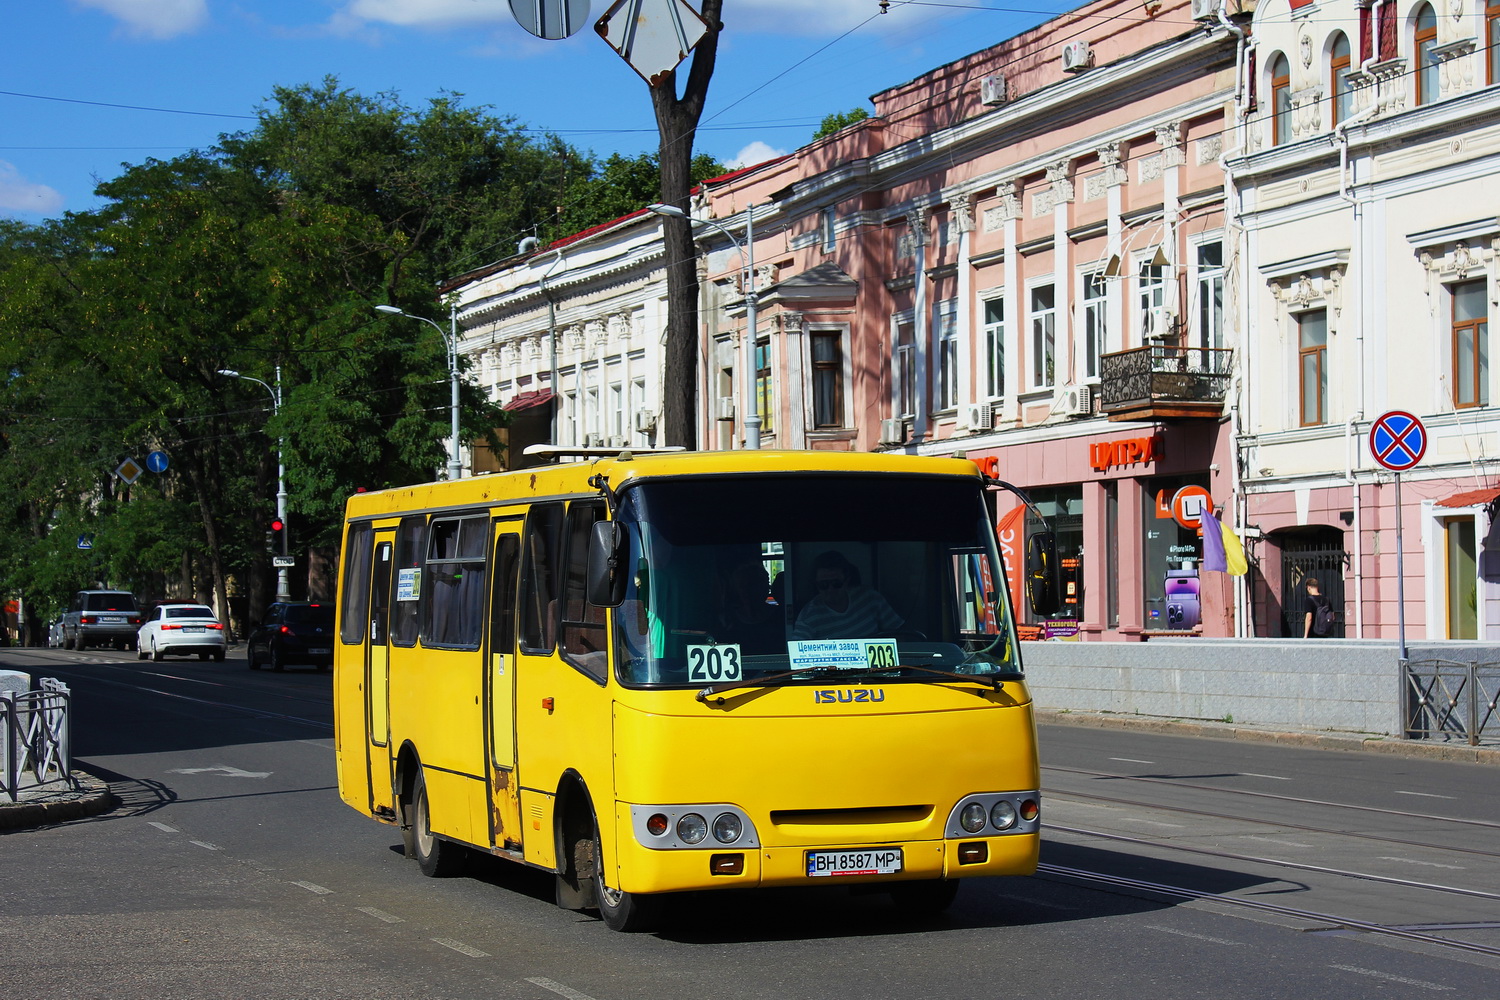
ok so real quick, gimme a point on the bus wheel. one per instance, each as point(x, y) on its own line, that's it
point(436, 857)
point(623, 911)
point(926, 898)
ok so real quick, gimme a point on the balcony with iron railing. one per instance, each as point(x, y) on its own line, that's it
point(1163, 381)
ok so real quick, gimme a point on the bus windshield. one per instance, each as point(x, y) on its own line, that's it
point(796, 578)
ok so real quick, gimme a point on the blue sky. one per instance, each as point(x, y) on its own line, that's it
point(87, 85)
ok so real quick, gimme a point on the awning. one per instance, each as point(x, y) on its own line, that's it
point(526, 400)
point(1472, 498)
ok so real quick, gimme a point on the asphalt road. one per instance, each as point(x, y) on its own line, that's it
point(1172, 867)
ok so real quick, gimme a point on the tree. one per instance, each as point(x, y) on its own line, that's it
point(839, 121)
point(677, 125)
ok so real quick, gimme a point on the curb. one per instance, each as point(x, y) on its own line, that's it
point(1414, 749)
point(89, 797)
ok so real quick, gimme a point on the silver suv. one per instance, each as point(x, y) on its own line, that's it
point(101, 618)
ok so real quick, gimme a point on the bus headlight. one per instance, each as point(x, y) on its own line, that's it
point(972, 817)
point(1003, 815)
point(727, 828)
point(692, 828)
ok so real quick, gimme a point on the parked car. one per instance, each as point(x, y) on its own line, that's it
point(292, 632)
point(101, 618)
point(181, 629)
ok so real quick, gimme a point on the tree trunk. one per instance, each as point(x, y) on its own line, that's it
point(677, 124)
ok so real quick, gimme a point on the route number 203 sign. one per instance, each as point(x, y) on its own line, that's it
point(711, 664)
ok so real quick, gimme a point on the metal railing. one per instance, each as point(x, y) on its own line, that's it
point(1452, 700)
point(1164, 373)
point(34, 738)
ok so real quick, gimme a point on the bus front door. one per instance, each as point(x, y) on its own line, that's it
point(500, 687)
point(378, 674)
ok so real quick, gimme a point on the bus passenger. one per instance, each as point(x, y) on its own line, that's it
point(750, 618)
point(843, 608)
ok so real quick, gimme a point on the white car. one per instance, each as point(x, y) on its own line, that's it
point(181, 629)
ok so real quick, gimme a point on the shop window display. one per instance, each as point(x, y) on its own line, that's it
point(1063, 508)
point(1171, 557)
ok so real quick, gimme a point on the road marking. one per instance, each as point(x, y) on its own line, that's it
point(206, 845)
point(1152, 822)
point(1272, 777)
point(1394, 979)
point(1190, 934)
point(1428, 795)
point(1132, 760)
point(164, 828)
point(558, 988)
point(1429, 864)
point(229, 772)
point(461, 948)
point(314, 887)
point(389, 918)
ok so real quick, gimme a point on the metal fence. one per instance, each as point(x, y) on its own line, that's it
point(34, 744)
point(1452, 700)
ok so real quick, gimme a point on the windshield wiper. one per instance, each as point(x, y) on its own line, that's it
point(992, 681)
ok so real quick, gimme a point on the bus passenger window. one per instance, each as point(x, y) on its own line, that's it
point(539, 570)
point(582, 623)
point(453, 596)
point(411, 547)
point(356, 589)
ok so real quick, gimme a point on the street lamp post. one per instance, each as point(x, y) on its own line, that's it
point(750, 405)
point(450, 340)
point(283, 587)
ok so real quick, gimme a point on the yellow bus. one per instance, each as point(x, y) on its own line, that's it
point(655, 673)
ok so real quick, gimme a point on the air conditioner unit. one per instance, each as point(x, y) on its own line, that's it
point(974, 416)
point(725, 409)
point(645, 421)
point(593, 441)
point(1205, 10)
point(1077, 57)
point(1077, 401)
point(892, 432)
point(992, 90)
point(616, 441)
point(1161, 323)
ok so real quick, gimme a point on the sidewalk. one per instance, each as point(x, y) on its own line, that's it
point(1313, 739)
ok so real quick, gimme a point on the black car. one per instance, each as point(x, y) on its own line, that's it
point(292, 632)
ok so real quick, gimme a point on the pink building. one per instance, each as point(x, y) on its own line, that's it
point(1021, 256)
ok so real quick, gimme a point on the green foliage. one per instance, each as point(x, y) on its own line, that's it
point(840, 120)
point(264, 255)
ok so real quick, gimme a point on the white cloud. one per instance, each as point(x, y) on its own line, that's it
point(154, 18)
point(20, 195)
point(420, 13)
point(756, 152)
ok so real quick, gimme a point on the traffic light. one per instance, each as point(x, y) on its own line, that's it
point(278, 536)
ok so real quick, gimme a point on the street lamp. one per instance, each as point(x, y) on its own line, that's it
point(747, 258)
point(450, 340)
point(283, 589)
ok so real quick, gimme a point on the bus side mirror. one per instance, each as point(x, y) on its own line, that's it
point(606, 571)
point(1042, 582)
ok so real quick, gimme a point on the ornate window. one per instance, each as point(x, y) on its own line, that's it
point(827, 378)
point(1492, 42)
point(1095, 302)
point(1470, 341)
point(994, 347)
point(1043, 336)
point(1338, 81)
point(1428, 85)
point(1281, 100)
point(1312, 362)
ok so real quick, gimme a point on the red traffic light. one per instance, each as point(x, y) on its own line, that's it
point(277, 524)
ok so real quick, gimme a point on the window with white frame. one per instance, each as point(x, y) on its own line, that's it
point(1208, 283)
point(1469, 337)
point(826, 236)
point(1492, 33)
point(1094, 311)
point(946, 396)
point(905, 361)
point(1281, 100)
point(1338, 79)
point(1151, 299)
point(1312, 364)
point(1043, 316)
point(1425, 40)
point(994, 347)
point(639, 404)
point(615, 418)
point(827, 349)
point(764, 386)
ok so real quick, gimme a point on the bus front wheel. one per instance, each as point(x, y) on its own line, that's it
point(436, 857)
point(623, 911)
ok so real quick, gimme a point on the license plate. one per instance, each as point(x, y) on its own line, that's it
point(192, 628)
point(111, 619)
point(881, 861)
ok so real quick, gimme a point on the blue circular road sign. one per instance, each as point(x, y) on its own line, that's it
point(1398, 440)
point(157, 461)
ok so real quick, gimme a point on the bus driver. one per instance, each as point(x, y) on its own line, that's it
point(843, 608)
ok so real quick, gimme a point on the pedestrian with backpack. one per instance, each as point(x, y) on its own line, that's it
point(1318, 614)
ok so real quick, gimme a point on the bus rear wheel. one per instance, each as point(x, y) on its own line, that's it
point(436, 857)
point(623, 911)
